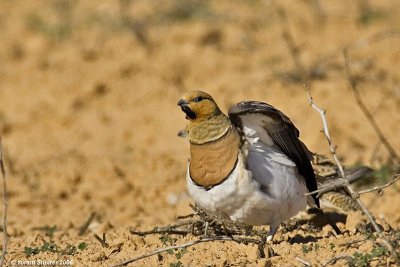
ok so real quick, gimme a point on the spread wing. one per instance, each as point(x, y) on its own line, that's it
point(274, 128)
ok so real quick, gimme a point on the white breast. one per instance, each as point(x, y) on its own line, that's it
point(268, 192)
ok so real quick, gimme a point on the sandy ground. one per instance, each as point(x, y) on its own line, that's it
point(88, 115)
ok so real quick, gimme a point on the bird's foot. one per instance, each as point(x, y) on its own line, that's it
point(272, 232)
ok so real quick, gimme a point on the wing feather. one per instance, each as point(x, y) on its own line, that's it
point(284, 135)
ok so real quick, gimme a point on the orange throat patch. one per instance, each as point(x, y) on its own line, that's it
point(212, 162)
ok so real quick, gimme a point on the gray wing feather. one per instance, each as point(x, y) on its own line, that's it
point(284, 135)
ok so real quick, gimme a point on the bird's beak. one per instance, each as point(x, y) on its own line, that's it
point(185, 108)
point(182, 103)
point(183, 133)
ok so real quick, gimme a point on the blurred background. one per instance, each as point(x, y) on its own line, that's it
point(88, 93)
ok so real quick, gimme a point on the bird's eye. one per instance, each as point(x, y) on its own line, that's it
point(198, 99)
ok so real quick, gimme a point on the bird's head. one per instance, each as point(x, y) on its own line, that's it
point(198, 105)
point(206, 121)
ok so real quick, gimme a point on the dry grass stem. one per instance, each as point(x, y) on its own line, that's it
point(85, 226)
point(102, 240)
point(394, 179)
point(306, 263)
point(3, 174)
point(333, 260)
point(328, 187)
point(354, 242)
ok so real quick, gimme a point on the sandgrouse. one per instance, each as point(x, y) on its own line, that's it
point(250, 168)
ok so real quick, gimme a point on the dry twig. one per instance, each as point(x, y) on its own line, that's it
point(326, 132)
point(354, 242)
point(171, 229)
point(348, 258)
point(354, 86)
point(85, 226)
point(355, 196)
point(342, 183)
point(218, 230)
point(102, 240)
point(115, 250)
point(306, 263)
point(394, 179)
point(198, 226)
point(180, 217)
point(3, 174)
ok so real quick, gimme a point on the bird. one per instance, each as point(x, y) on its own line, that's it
point(249, 166)
point(327, 172)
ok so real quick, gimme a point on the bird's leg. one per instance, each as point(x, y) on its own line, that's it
point(206, 229)
point(207, 222)
point(248, 230)
point(266, 243)
point(272, 232)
